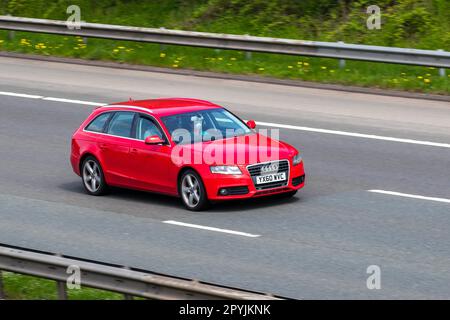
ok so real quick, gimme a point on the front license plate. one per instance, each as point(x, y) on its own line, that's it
point(271, 178)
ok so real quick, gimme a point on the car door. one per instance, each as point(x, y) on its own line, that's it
point(115, 148)
point(151, 162)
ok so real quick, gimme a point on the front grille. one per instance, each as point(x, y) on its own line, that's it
point(271, 191)
point(255, 170)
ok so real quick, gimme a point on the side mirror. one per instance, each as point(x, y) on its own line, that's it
point(251, 124)
point(154, 140)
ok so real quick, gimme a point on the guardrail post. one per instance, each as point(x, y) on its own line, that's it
point(441, 70)
point(127, 296)
point(341, 61)
point(61, 286)
point(11, 33)
point(62, 292)
point(162, 46)
point(2, 292)
point(248, 54)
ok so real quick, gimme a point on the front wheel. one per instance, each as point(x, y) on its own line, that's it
point(192, 191)
point(93, 177)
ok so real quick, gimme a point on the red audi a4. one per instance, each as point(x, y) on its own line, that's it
point(188, 148)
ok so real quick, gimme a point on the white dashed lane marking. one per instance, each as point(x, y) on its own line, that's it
point(196, 226)
point(413, 196)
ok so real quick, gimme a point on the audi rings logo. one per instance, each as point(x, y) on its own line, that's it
point(272, 167)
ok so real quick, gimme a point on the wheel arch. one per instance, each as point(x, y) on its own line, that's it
point(84, 156)
point(180, 174)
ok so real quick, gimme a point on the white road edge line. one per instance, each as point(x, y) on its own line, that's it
point(406, 195)
point(89, 103)
point(189, 225)
point(21, 95)
point(354, 134)
point(30, 96)
point(267, 124)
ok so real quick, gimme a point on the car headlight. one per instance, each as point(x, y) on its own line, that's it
point(297, 159)
point(225, 169)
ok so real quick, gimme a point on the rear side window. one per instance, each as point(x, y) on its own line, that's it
point(121, 124)
point(98, 124)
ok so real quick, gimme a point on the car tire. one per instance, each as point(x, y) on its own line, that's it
point(192, 191)
point(93, 178)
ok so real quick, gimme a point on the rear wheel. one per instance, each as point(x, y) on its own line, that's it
point(192, 191)
point(93, 177)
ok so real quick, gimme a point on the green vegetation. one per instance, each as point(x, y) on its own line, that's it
point(423, 24)
point(21, 287)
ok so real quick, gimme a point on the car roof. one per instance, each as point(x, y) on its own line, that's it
point(169, 106)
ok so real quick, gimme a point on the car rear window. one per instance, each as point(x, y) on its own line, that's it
point(121, 124)
point(98, 124)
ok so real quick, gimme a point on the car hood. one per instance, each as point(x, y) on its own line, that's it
point(242, 150)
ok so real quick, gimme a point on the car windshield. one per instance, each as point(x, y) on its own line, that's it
point(204, 125)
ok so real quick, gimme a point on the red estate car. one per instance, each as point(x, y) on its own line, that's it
point(188, 148)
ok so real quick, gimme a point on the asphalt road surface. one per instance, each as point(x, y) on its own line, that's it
point(317, 245)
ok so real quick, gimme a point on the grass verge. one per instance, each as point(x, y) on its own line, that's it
point(358, 73)
point(23, 287)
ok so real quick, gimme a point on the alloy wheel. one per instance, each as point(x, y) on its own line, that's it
point(190, 190)
point(91, 176)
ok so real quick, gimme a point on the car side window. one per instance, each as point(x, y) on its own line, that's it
point(146, 127)
point(121, 124)
point(98, 124)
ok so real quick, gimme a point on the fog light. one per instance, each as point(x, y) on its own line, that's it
point(223, 192)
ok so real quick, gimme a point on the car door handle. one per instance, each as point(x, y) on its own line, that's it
point(103, 146)
point(134, 150)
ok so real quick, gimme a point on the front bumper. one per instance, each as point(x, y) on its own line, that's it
point(237, 184)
